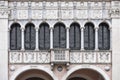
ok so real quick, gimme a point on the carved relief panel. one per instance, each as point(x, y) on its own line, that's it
point(36, 14)
point(22, 14)
point(67, 14)
point(51, 14)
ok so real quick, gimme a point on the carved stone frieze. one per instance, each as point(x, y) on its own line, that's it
point(90, 57)
point(67, 14)
point(51, 14)
point(65, 10)
point(96, 14)
point(115, 12)
point(36, 14)
point(60, 56)
point(22, 14)
point(15, 57)
point(29, 57)
point(104, 57)
point(74, 57)
point(4, 13)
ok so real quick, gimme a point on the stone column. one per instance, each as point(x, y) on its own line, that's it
point(9, 39)
point(51, 38)
point(110, 38)
point(36, 48)
point(82, 38)
point(23, 38)
point(67, 40)
point(96, 38)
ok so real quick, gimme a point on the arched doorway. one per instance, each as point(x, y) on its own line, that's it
point(77, 78)
point(85, 74)
point(35, 78)
point(34, 75)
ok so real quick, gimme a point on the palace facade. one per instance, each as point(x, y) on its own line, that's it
point(59, 40)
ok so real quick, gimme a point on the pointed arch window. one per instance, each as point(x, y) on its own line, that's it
point(103, 37)
point(75, 36)
point(89, 37)
point(15, 37)
point(59, 36)
point(29, 36)
point(44, 36)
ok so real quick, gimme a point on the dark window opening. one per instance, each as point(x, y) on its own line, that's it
point(75, 37)
point(44, 36)
point(89, 37)
point(15, 37)
point(59, 36)
point(103, 37)
point(29, 36)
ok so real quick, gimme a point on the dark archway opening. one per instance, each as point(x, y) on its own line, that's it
point(77, 78)
point(85, 74)
point(34, 78)
point(34, 74)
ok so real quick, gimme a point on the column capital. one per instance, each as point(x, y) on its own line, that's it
point(22, 28)
point(82, 28)
point(51, 28)
point(68, 28)
point(96, 28)
point(110, 28)
point(8, 29)
point(36, 28)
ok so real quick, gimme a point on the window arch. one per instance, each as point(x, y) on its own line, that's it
point(59, 36)
point(29, 36)
point(89, 37)
point(75, 36)
point(103, 37)
point(15, 37)
point(44, 36)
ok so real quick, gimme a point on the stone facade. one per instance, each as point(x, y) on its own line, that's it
point(59, 64)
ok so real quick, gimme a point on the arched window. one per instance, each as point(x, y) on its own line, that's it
point(44, 37)
point(29, 36)
point(75, 36)
point(103, 37)
point(89, 37)
point(15, 37)
point(59, 36)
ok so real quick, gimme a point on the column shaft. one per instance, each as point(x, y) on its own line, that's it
point(67, 42)
point(96, 38)
point(37, 39)
point(23, 39)
point(51, 38)
point(82, 38)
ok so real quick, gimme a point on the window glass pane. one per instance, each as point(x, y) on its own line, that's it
point(44, 36)
point(89, 37)
point(29, 37)
point(59, 34)
point(15, 37)
point(104, 37)
point(75, 36)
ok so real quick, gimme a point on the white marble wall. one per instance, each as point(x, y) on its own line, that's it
point(115, 40)
point(3, 41)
